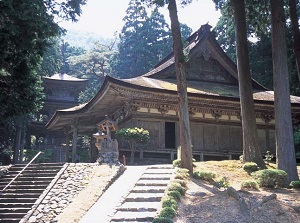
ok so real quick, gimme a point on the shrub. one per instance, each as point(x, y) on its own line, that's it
point(169, 202)
point(249, 184)
point(174, 194)
point(181, 182)
point(250, 167)
point(268, 156)
point(162, 220)
point(182, 173)
point(222, 182)
point(295, 184)
point(203, 175)
point(271, 178)
point(177, 163)
point(167, 212)
point(177, 187)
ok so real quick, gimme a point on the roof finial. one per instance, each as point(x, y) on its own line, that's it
point(202, 30)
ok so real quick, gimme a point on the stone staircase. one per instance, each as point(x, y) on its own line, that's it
point(144, 199)
point(19, 197)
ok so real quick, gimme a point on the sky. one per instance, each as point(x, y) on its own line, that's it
point(104, 17)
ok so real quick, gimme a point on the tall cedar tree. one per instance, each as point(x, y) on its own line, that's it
point(251, 151)
point(143, 41)
point(296, 33)
point(283, 126)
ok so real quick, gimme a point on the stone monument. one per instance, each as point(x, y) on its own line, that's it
point(107, 147)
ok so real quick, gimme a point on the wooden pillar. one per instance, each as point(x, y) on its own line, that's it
point(67, 147)
point(74, 144)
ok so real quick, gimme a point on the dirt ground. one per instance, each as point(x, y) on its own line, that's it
point(207, 204)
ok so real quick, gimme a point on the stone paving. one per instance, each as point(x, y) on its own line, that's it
point(133, 197)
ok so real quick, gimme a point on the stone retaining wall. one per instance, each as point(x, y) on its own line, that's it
point(74, 179)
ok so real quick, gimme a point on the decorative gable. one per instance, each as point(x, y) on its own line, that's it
point(204, 68)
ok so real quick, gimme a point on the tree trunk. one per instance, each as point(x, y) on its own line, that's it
point(285, 151)
point(17, 144)
point(184, 122)
point(251, 151)
point(296, 33)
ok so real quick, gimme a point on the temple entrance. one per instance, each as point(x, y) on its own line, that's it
point(170, 134)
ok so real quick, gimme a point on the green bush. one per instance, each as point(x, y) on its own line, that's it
point(177, 163)
point(203, 175)
point(167, 212)
point(295, 184)
point(181, 182)
point(174, 194)
point(250, 167)
point(182, 173)
point(169, 202)
point(162, 220)
point(249, 184)
point(222, 183)
point(270, 178)
point(177, 187)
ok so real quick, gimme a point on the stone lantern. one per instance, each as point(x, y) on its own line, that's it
point(107, 147)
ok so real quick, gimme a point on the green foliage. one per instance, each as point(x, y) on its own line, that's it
point(167, 212)
point(162, 220)
point(270, 178)
point(169, 201)
point(249, 184)
point(181, 182)
point(204, 175)
point(27, 27)
point(268, 156)
point(295, 184)
point(181, 174)
point(174, 194)
point(297, 142)
point(250, 167)
point(5, 157)
point(139, 135)
point(177, 187)
point(177, 163)
point(222, 183)
point(133, 136)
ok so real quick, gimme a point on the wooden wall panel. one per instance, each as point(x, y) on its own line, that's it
point(154, 131)
point(210, 135)
point(272, 146)
point(197, 136)
point(262, 140)
point(236, 138)
point(224, 137)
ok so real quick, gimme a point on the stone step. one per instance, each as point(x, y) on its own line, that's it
point(152, 183)
point(140, 206)
point(20, 195)
point(23, 191)
point(128, 216)
point(144, 197)
point(155, 177)
point(166, 166)
point(15, 205)
point(7, 178)
point(14, 210)
point(18, 200)
point(10, 220)
point(133, 221)
point(22, 187)
point(159, 171)
point(148, 189)
point(39, 182)
point(11, 215)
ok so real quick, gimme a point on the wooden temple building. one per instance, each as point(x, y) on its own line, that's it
point(150, 101)
point(61, 92)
